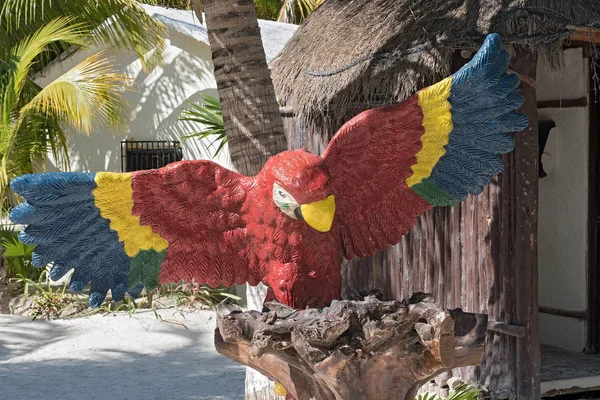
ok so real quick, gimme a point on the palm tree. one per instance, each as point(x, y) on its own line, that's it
point(32, 34)
point(289, 11)
point(250, 111)
point(31, 117)
point(122, 24)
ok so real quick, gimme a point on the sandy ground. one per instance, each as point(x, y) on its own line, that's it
point(115, 357)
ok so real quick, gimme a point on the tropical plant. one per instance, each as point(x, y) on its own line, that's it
point(461, 392)
point(191, 293)
point(289, 11)
point(250, 110)
point(207, 113)
point(110, 307)
point(31, 117)
point(122, 24)
point(48, 302)
point(18, 256)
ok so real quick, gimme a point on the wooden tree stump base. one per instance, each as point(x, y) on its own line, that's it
point(367, 349)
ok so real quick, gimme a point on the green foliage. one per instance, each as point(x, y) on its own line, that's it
point(18, 256)
point(191, 293)
point(48, 302)
point(289, 11)
point(129, 28)
point(462, 392)
point(209, 114)
point(110, 307)
point(428, 396)
point(294, 11)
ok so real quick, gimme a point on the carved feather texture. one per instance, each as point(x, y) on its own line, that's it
point(197, 220)
point(196, 207)
point(394, 163)
point(65, 223)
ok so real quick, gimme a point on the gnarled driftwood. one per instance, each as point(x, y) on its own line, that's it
point(368, 349)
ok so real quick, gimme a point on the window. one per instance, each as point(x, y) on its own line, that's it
point(147, 154)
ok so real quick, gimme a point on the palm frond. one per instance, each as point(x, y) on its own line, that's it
point(289, 11)
point(464, 392)
point(23, 55)
point(461, 392)
point(86, 96)
point(295, 11)
point(427, 396)
point(122, 24)
point(209, 114)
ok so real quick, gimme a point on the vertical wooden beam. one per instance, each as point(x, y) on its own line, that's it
point(525, 236)
point(4, 290)
point(593, 337)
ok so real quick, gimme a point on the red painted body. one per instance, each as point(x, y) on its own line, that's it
point(233, 232)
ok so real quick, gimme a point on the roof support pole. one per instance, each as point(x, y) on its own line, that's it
point(525, 236)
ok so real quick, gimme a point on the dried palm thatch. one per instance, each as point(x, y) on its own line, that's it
point(355, 54)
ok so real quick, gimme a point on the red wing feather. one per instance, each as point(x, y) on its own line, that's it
point(369, 160)
point(389, 165)
point(196, 207)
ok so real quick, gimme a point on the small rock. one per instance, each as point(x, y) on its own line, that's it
point(70, 310)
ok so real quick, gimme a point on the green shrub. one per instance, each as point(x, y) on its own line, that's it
point(18, 256)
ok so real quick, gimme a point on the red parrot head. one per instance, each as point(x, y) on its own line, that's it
point(300, 188)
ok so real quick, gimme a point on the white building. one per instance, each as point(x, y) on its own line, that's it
point(157, 99)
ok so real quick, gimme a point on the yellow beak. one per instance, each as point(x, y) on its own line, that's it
point(319, 215)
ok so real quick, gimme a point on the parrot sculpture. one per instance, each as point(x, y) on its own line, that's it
point(292, 224)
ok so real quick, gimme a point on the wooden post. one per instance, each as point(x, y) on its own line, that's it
point(525, 235)
point(593, 337)
point(354, 349)
point(4, 288)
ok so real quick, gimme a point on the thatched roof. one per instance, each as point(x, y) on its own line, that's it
point(373, 52)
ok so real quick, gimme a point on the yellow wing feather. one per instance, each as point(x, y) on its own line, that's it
point(437, 121)
point(114, 197)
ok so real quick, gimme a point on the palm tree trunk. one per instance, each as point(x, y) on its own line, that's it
point(250, 111)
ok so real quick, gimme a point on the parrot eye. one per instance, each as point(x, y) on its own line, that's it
point(285, 201)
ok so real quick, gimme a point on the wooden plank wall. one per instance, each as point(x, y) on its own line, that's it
point(459, 254)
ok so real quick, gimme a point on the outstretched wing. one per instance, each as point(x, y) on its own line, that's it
point(126, 231)
point(390, 164)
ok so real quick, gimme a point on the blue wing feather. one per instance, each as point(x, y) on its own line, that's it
point(483, 101)
point(69, 231)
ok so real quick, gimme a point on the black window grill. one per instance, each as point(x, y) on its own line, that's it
point(139, 155)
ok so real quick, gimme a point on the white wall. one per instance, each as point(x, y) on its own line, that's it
point(563, 204)
point(156, 101)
